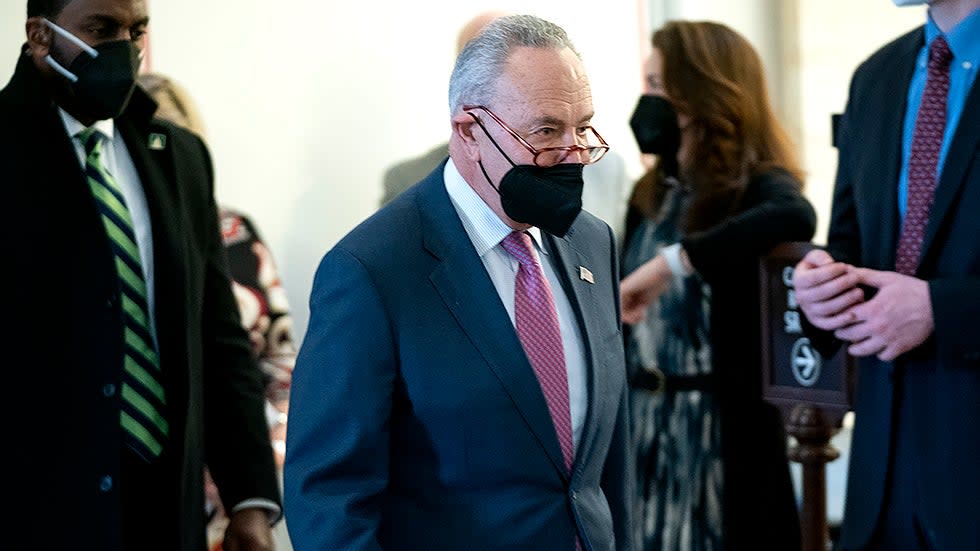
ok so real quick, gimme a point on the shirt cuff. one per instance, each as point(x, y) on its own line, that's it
point(272, 509)
point(673, 256)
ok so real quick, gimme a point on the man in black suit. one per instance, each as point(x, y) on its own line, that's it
point(130, 366)
point(900, 286)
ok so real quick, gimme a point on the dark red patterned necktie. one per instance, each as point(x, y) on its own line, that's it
point(927, 140)
point(537, 326)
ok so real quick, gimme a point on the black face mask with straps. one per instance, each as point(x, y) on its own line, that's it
point(546, 197)
point(101, 79)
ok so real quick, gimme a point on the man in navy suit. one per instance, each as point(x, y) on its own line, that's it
point(900, 285)
point(462, 382)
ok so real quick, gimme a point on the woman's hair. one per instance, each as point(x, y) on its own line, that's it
point(174, 104)
point(715, 77)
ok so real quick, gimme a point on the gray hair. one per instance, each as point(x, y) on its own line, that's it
point(482, 60)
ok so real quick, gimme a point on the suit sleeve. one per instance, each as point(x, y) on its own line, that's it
point(337, 443)
point(237, 446)
point(618, 475)
point(776, 212)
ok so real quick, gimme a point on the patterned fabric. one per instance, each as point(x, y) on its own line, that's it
point(143, 403)
point(927, 141)
point(677, 435)
point(537, 327)
point(262, 302)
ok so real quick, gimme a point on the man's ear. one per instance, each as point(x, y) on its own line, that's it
point(39, 37)
point(463, 132)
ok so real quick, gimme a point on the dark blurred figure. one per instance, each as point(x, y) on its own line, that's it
point(725, 190)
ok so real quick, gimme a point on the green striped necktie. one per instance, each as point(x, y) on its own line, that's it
point(143, 403)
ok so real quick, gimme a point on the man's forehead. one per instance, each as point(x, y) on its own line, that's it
point(557, 93)
point(123, 11)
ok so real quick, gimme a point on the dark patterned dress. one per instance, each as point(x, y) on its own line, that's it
point(676, 434)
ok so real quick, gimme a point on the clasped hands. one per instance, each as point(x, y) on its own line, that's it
point(896, 318)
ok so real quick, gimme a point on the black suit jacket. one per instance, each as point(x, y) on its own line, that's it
point(945, 370)
point(65, 349)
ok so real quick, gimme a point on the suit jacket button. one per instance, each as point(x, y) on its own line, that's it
point(109, 390)
point(105, 485)
point(574, 496)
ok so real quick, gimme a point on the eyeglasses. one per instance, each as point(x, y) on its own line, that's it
point(595, 147)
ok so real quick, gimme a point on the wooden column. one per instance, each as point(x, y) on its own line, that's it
point(813, 431)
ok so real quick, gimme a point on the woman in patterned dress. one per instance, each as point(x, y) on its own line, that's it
point(726, 188)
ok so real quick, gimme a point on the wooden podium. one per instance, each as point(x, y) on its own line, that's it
point(813, 392)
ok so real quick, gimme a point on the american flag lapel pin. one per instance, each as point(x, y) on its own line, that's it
point(157, 141)
point(585, 275)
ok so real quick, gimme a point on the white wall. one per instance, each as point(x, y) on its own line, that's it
point(306, 102)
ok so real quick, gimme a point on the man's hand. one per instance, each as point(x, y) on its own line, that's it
point(248, 531)
point(639, 289)
point(897, 319)
point(826, 290)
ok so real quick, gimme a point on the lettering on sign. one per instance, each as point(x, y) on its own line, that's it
point(791, 323)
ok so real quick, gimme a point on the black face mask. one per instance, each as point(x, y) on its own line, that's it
point(549, 198)
point(654, 125)
point(99, 86)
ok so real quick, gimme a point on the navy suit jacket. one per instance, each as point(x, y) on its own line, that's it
point(945, 370)
point(416, 420)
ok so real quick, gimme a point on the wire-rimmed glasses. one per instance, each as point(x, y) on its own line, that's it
point(594, 148)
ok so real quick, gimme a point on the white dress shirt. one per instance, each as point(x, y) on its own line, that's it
point(486, 230)
point(117, 162)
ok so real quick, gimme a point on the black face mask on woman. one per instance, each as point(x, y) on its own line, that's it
point(101, 79)
point(546, 197)
point(654, 124)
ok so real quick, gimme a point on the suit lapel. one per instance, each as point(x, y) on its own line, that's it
point(581, 294)
point(883, 210)
point(465, 287)
point(961, 152)
point(156, 171)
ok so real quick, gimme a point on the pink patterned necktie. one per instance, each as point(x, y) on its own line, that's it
point(927, 140)
point(537, 326)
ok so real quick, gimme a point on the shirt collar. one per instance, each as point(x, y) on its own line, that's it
point(485, 229)
point(962, 38)
point(73, 127)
